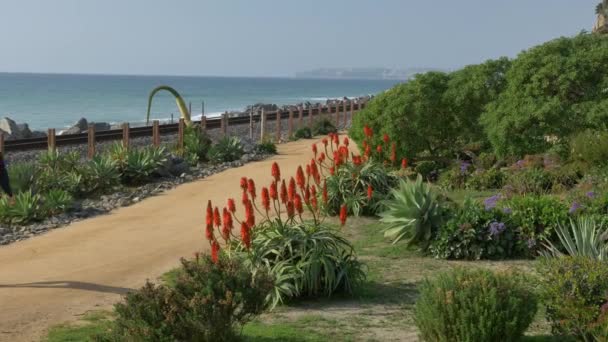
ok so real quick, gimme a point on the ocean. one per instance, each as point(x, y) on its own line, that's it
point(57, 101)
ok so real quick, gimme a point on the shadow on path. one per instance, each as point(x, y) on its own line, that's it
point(77, 285)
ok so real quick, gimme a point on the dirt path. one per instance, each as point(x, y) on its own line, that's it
point(55, 277)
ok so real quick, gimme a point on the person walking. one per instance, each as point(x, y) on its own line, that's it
point(4, 180)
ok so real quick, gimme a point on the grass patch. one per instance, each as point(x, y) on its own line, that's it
point(92, 324)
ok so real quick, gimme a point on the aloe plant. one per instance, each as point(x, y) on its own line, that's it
point(583, 237)
point(181, 104)
point(413, 213)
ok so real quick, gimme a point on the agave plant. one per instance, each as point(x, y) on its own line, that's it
point(26, 208)
point(226, 150)
point(57, 201)
point(21, 176)
point(583, 237)
point(103, 174)
point(413, 213)
point(181, 104)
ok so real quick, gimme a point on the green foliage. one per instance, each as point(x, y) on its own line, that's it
point(574, 289)
point(323, 126)
point(413, 213)
point(26, 209)
point(427, 169)
point(57, 201)
point(303, 133)
point(136, 166)
point(209, 302)
point(475, 233)
point(529, 181)
point(478, 305)
point(487, 179)
point(584, 237)
point(349, 186)
point(267, 146)
point(21, 176)
point(102, 175)
point(196, 144)
point(304, 259)
point(590, 147)
point(552, 91)
point(226, 150)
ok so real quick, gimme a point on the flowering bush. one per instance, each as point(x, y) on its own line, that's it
point(283, 232)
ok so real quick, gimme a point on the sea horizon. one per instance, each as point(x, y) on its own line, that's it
point(57, 100)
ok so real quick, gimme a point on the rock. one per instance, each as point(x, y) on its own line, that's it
point(177, 169)
point(267, 107)
point(13, 131)
point(101, 126)
point(38, 134)
point(80, 126)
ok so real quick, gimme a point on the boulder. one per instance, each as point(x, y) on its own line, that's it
point(38, 134)
point(13, 131)
point(268, 107)
point(100, 126)
point(80, 126)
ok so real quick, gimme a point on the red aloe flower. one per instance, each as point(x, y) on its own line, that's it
point(209, 232)
point(245, 198)
point(379, 149)
point(284, 194)
point(325, 197)
point(308, 171)
point(321, 157)
point(249, 214)
point(404, 163)
point(300, 178)
point(245, 235)
point(227, 227)
point(336, 140)
point(325, 141)
point(370, 192)
point(314, 149)
point(292, 189)
point(346, 141)
point(265, 199)
point(364, 145)
point(332, 170)
point(209, 218)
point(297, 202)
point(273, 191)
point(307, 195)
point(357, 160)
point(386, 138)
point(217, 220)
point(244, 183)
point(251, 189)
point(368, 131)
point(368, 151)
point(290, 209)
point(215, 249)
point(343, 214)
point(276, 172)
point(313, 198)
point(231, 206)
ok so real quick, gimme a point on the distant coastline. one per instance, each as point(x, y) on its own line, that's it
point(363, 73)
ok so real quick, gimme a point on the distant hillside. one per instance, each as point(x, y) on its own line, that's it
point(363, 73)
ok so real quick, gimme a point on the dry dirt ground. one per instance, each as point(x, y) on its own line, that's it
point(87, 266)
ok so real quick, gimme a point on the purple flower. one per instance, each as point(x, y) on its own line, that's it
point(507, 210)
point(520, 163)
point(490, 202)
point(464, 167)
point(531, 243)
point(496, 228)
point(574, 207)
point(590, 194)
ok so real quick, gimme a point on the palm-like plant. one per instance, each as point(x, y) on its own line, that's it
point(413, 213)
point(181, 104)
point(583, 237)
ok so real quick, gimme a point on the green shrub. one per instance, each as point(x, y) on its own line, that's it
point(590, 147)
point(57, 201)
point(226, 150)
point(196, 144)
point(136, 166)
point(21, 176)
point(305, 260)
point(574, 289)
point(534, 181)
point(102, 175)
point(303, 133)
point(428, 169)
point(413, 213)
point(455, 177)
point(26, 209)
point(552, 90)
point(486, 179)
point(267, 146)
point(210, 302)
point(583, 237)
point(349, 185)
point(323, 126)
point(474, 233)
point(478, 305)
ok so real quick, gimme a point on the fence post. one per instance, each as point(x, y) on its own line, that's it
point(156, 133)
point(251, 123)
point(346, 114)
point(91, 141)
point(203, 123)
point(290, 131)
point(279, 124)
point(310, 111)
point(126, 135)
point(2, 143)
point(180, 135)
point(51, 139)
point(337, 115)
point(300, 115)
point(262, 125)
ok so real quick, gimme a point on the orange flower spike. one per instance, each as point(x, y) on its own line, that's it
point(273, 191)
point(314, 149)
point(284, 194)
point(209, 217)
point(321, 157)
point(276, 172)
point(217, 220)
point(343, 214)
point(300, 178)
point(307, 195)
point(292, 189)
point(215, 250)
point(404, 163)
point(231, 205)
point(308, 171)
point(336, 140)
point(245, 235)
point(297, 202)
point(370, 192)
point(346, 141)
point(290, 209)
point(265, 199)
point(332, 170)
point(244, 183)
point(250, 214)
point(325, 142)
point(227, 227)
point(251, 189)
point(245, 198)
point(385, 138)
point(368, 151)
point(209, 232)
point(379, 149)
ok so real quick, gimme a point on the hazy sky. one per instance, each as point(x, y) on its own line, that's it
point(273, 37)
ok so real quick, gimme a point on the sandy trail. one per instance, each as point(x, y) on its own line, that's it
point(56, 277)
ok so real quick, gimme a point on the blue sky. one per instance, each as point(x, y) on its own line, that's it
point(273, 37)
